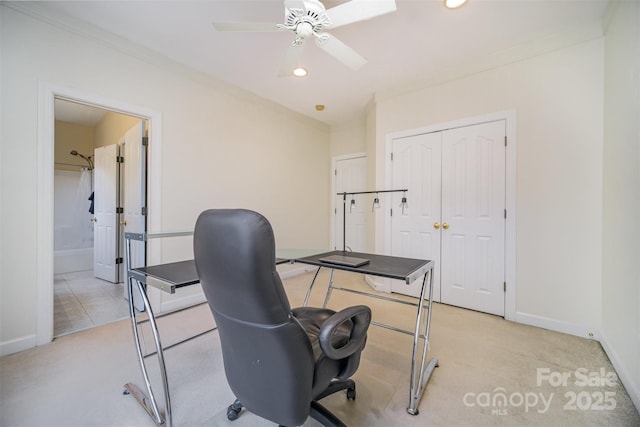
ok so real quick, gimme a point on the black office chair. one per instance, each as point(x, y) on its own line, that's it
point(279, 362)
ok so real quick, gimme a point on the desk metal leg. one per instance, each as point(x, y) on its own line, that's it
point(306, 298)
point(313, 282)
point(329, 288)
point(420, 378)
point(148, 401)
point(420, 370)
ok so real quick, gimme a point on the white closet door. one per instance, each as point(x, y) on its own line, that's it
point(105, 229)
point(416, 166)
point(473, 210)
point(351, 175)
point(134, 171)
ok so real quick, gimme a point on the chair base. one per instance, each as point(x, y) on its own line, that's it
point(316, 411)
point(324, 416)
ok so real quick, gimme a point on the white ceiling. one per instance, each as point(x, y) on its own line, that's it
point(80, 114)
point(419, 40)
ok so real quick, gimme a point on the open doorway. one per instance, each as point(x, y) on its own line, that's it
point(47, 94)
point(86, 244)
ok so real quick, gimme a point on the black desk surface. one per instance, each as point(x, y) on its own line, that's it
point(379, 265)
point(183, 273)
point(177, 274)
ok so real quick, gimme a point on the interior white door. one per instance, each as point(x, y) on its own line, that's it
point(134, 153)
point(351, 175)
point(105, 229)
point(415, 234)
point(473, 217)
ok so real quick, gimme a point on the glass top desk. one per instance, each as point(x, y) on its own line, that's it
point(171, 276)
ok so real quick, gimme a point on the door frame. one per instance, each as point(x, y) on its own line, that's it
point(334, 206)
point(509, 116)
point(47, 93)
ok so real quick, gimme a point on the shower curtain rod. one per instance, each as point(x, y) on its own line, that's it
point(74, 165)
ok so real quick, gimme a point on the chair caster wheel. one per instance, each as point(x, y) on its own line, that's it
point(233, 411)
point(232, 414)
point(351, 393)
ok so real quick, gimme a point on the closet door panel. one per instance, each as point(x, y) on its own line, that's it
point(416, 166)
point(473, 203)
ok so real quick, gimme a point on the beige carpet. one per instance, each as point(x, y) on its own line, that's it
point(492, 372)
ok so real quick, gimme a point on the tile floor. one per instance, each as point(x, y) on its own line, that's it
point(82, 301)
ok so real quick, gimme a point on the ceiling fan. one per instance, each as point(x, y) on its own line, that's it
point(306, 18)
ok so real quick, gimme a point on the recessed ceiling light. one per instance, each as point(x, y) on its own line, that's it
point(299, 72)
point(452, 4)
point(319, 107)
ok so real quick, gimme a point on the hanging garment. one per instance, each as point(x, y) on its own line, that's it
point(91, 205)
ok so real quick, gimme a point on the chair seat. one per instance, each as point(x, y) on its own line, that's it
point(312, 319)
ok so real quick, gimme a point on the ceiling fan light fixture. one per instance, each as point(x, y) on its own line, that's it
point(299, 72)
point(452, 4)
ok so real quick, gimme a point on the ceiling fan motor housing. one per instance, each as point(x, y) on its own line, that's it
point(305, 22)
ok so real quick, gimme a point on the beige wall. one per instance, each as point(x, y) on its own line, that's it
point(72, 136)
point(621, 207)
point(220, 147)
point(111, 128)
point(348, 138)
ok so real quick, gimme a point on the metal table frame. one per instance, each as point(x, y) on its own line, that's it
point(142, 276)
point(405, 269)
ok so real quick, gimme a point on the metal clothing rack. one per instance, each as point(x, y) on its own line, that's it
point(344, 208)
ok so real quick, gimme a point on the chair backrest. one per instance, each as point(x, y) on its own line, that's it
point(267, 355)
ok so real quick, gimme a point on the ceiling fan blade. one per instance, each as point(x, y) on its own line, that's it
point(245, 26)
point(359, 10)
point(291, 59)
point(294, 4)
point(341, 52)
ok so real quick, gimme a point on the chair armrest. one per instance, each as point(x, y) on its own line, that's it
point(360, 316)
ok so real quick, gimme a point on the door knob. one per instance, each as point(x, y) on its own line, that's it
point(445, 225)
point(436, 225)
point(94, 219)
point(123, 222)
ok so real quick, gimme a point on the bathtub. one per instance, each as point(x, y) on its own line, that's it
point(70, 260)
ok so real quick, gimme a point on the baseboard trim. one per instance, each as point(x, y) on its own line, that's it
point(556, 325)
point(378, 283)
point(18, 344)
point(295, 270)
point(633, 388)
